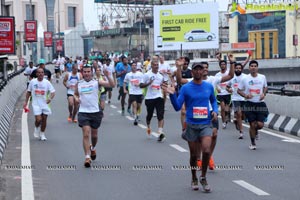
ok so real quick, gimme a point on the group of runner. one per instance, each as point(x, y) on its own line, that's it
point(191, 90)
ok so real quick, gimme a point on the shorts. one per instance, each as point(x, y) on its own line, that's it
point(70, 95)
point(108, 89)
point(121, 90)
point(103, 97)
point(136, 97)
point(56, 70)
point(238, 105)
point(256, 111)
point(44, 109)
point(195, 131)
point(224, 98)
point(90, 119)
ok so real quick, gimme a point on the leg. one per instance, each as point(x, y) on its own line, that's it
point(94, 137)
point(86, 130)
point(193, 146)
point(70, 105)
point(44, 122)
point(206, 149)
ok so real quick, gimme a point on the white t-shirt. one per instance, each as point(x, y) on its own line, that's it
point(234, 83)
point(214, 80)
point(28, 71)
point(72, 81)
point(253, 85)
point(89, 96)
point(154, 90)
point(222, 86)
point(39, 91)
point(110, 69)
point(134, 80)
point(164, 69)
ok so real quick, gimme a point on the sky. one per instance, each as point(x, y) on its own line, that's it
point(91, 20)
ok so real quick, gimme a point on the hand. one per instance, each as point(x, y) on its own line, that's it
point(125, 91)
point(230, 57)
point(48, 101)
point(106, 73)
point(168, 88)
point(214, 116)
point(262, 96)
point(249, 96)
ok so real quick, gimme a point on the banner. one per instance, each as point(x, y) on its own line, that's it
point(48, 39)
point(59, 45)
point(186, 26)
point(7, 35)
point(30, 30)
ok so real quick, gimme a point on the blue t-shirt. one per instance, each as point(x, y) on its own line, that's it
point(119, 68)
point(69, 67)
point(196, 98)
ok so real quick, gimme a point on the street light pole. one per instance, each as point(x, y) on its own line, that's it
point(58, 15)
point(30, 18)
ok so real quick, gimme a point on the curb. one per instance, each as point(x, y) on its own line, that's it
point(283, 124)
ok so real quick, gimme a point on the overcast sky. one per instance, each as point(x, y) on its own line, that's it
point(91, 20)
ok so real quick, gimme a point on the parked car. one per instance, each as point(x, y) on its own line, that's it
point(199, 34)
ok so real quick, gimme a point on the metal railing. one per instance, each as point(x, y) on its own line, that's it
point(10, 76)
point(282, 91)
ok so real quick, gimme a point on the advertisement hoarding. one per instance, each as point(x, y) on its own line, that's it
point(190, 26)
point(7, 35)
point(48, 39)
point(59, 45)
point(30, 30)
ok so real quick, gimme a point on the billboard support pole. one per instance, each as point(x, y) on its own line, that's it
point(180, 50)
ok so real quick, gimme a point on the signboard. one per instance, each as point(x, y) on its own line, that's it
point(241, 46)
point(7, 35)
point(59, 45)
point(295, 40)
point(48, 39)
point(186, 26)
point(30, 30)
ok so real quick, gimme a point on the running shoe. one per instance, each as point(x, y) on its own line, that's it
point(69, 119)
point(135, 122)
point(211, 163)
point(108, 101)
point(123, 113)
point(195, 185)
point(93, 153)
point(43, 137)
point(75, 121)
point(224, 125)
point(36, 132)
point(87, 162)
point(161, 137)
point(149, 132)
point(205, 186)
point(241, 136)
point(199, 164)
point(129, 111)
point(252, 147)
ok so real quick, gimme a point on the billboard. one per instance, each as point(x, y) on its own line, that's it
point(48, 39)
point(30, 30)
point(190, 26)
point(7, 35)
point(59, 45)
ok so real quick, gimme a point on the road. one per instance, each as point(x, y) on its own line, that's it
point(131, 166)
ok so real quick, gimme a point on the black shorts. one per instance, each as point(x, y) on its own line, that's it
point(136, 97)
point(238, 105)
point(70, 95)
point(121, 90)
point(90, 119)
point(256, 111)
point(157, 104)
point(224, 98)
point(56, 70)
point(108, 89)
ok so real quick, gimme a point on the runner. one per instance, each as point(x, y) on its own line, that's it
point(47, 73)
point(198, 97)
point(153, 99)
point(28, 72)
point(253, 88)
point(70, 81)
point(134, 78)
point(38, 88)
point(90, 114)
point(111, 69)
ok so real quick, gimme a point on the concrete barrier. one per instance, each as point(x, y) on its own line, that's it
point(284, 113)
point(9, 97)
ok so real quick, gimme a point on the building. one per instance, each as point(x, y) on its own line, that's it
point(56, 16)
point(272, 27)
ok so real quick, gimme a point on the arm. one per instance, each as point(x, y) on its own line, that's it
point(109, 83)
point(177, 102)
point(28, 94)
point(52, 94)
point(76, 94)
point(231, 70)
point(248, 59)
point(65, 81)
point(214, 104)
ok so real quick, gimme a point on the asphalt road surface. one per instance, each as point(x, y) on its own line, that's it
point(130, 165)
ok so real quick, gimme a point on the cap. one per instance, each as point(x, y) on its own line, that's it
point(197, 65)
point(42, 61)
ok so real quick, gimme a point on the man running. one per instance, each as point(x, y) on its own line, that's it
point(38, 88)
point(133, 79)
point(47, 73)
point(253, 88)
point(70, 81)
point(198, 97)
point(153, 99)
point(90, 114)
point(28, 72)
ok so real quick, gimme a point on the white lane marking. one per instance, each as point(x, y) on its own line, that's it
point(251, 188)
point(155, 134)
point(276, 135)
point(27, 186)
point(119, 111)
point(142, 126)
point(113, 106)
point(291, 141)
point(130, 118)
point(179, 148)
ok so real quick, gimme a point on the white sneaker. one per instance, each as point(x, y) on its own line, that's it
point(43, 137)
point(252, 147)
point(224, 125)
point(36, 132)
